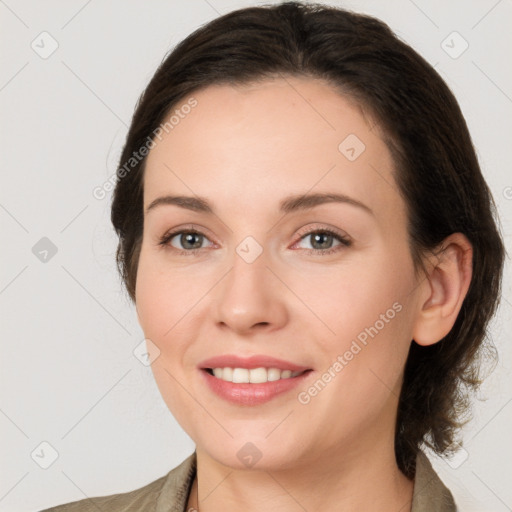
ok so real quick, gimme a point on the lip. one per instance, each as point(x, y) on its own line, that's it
point(251, 394)
point(256, 361)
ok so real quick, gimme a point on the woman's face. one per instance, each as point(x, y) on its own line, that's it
point(267, 161)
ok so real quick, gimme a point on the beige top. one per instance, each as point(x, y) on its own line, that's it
point(170, 493)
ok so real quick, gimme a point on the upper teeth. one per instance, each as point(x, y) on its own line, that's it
point(255, 375)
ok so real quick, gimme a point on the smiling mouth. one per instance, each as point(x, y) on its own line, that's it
point(253, 375)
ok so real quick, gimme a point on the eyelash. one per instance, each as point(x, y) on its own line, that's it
point(344, 242)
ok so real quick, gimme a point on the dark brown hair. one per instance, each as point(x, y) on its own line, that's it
point(437, 172)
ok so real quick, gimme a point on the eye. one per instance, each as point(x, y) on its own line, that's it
point(184, 241)
point(323, 241)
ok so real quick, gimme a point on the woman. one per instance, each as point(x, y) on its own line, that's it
point(310, 245)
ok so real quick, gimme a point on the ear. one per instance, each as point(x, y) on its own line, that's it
point(444, 289)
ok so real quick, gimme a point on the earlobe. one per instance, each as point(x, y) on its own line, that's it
point(443, 290)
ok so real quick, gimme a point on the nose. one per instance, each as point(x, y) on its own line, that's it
point(250, 298)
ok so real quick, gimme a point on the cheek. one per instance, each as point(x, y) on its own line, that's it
point(166, 299)
point(165, 308)
point(352, 297)
point(366, 310)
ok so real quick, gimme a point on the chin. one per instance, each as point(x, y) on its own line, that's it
point(253, 453)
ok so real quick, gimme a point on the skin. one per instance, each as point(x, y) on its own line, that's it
point(244, 149)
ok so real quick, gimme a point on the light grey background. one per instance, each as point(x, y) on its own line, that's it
point(68, 373)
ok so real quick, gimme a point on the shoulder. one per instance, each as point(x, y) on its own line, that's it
point(168, 493)
point(430, 493)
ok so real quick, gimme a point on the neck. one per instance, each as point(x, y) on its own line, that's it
point(362, 480)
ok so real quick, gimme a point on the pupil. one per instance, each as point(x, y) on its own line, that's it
point(189, 239)
point(321, 238)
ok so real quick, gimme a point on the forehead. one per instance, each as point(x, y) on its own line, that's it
point(250, 144)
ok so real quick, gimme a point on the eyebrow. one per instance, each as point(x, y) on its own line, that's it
point(287, 205)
